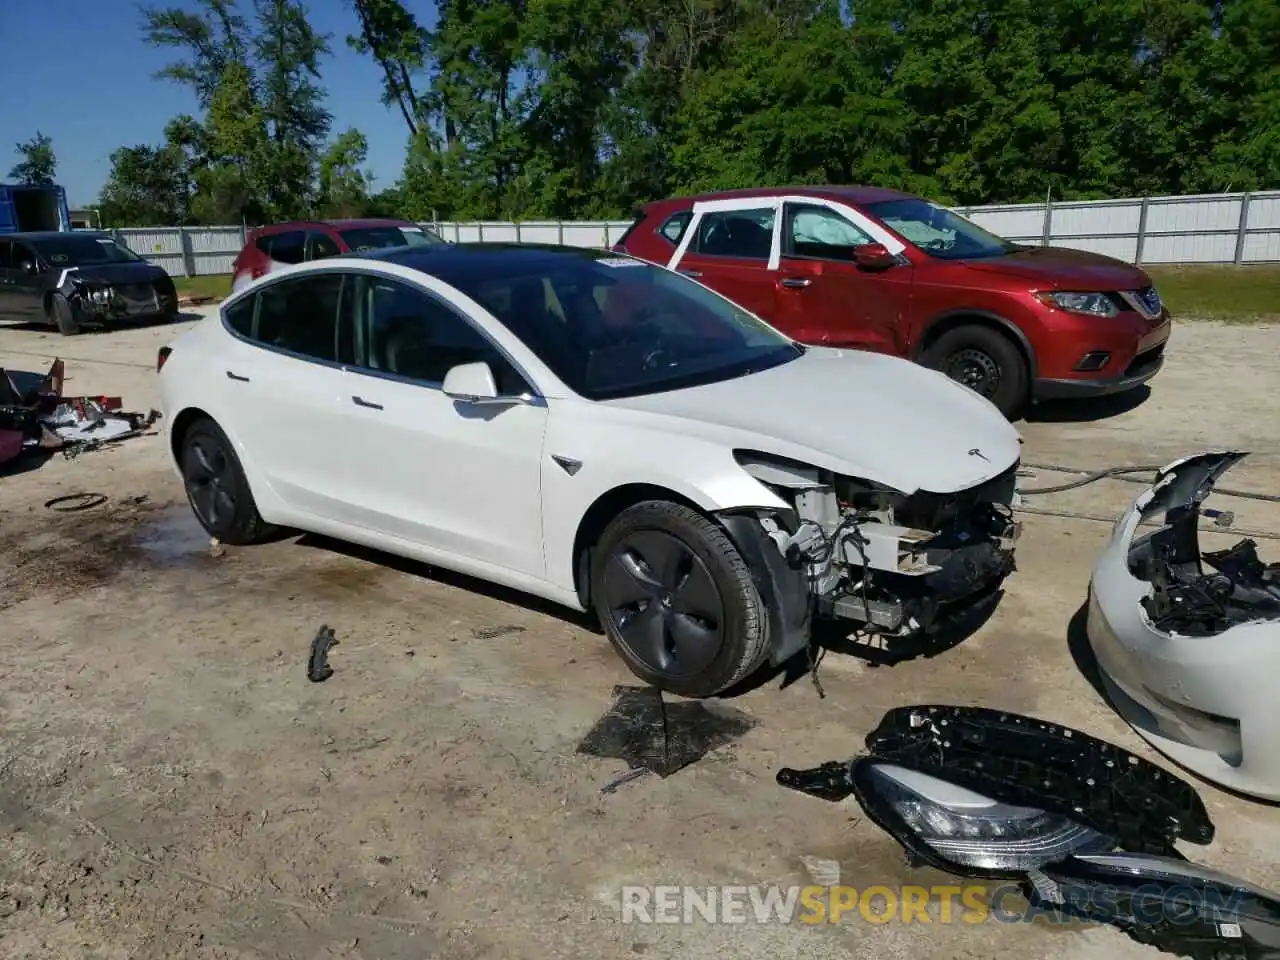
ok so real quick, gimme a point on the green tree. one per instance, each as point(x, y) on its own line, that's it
point(344, 185)
point(38, 164)
point(147, 187)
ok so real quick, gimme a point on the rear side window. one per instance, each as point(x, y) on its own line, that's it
point(675, 226)
point(745, 234)
point(239, 316)
point(288, 247)
point(300, 315)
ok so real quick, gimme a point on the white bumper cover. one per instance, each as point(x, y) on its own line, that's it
point(1210, 703)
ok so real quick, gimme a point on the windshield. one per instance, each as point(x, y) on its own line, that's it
point(364, 239)
point(73, 251)
point(613, 327)
point(937, 231)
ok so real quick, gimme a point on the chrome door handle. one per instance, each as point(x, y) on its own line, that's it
point(236, 376)
point(360, 402)
point(691, 273)
point(794, 281)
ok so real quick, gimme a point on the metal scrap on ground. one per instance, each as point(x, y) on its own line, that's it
point(39, 418)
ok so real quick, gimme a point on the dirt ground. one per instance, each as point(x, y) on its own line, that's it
point(172, 786)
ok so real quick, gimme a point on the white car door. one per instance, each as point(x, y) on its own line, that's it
point(461, 478)
point(283, 387)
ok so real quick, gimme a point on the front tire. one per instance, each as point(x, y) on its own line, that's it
point(677, 600)
point(987, 362)
point(62, 315)
point(216, 487)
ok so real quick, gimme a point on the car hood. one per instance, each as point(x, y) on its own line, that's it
point(109, 273)
point(859, 414)
point(1062, 269)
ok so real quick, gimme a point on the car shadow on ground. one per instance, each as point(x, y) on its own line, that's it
point(184, 316)
point(1087, 409)
point(462, 581)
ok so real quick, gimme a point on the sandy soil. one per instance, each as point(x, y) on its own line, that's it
point(172, 786)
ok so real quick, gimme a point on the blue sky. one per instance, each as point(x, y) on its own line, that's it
point(93, 89)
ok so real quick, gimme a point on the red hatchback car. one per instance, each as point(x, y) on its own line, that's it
point(281, 244)
point(886, 271)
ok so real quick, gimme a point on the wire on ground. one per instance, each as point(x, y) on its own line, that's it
point(1126, 474)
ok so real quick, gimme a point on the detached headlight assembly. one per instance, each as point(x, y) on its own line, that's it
point(1090, 304)
point(964, 832)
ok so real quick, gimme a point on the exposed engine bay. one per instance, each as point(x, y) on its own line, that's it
point(897, 564)
point(1186, 599)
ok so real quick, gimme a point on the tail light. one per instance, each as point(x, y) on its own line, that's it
point(162, 356)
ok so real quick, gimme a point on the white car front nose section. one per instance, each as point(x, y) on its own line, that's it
point(1189, 651)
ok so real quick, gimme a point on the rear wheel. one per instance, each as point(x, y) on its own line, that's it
point(62, 315)
point(677, 600)
point(987, 362)
point(216, 486)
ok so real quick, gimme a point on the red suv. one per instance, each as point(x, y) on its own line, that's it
point(886, 271)
point(281, 244)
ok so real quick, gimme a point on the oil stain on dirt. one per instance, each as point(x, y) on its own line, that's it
point(648, 733)
point(64, 553)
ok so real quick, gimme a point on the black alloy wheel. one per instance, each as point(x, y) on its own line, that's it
point(216, 486)
point(677, 600)
point(664, 604)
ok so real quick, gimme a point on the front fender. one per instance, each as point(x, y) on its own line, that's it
point(584, 459)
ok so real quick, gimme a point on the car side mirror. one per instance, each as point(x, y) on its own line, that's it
point(471, 383)
point(873, 256)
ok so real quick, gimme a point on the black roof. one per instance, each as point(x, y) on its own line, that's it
point(52, 234)
point(495, 257)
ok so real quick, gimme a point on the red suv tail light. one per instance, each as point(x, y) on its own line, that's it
point(162, 356)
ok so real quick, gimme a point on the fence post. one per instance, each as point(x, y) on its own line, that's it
point(1142, 231)
point(519, 238)
point(560, 232)
point(1243, 230)
point(188, 258)
point(479, 231)
point(1046, 237)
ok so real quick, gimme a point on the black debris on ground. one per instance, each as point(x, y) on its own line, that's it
point(318, 668)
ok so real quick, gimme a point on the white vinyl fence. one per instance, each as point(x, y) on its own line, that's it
point(1210, 228)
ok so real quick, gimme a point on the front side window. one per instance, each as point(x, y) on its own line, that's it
point(70, 250)
point(300, 315)
point(820, 232)
point(321, 245)
point(365, 239)
point(614, 327)
point(408, 333)
point(746, 234)
point(937, 231)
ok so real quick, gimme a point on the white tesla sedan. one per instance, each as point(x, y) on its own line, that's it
point(601, 432)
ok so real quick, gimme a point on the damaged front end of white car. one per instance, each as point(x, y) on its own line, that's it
point(878, 560)
point(1188, 641)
